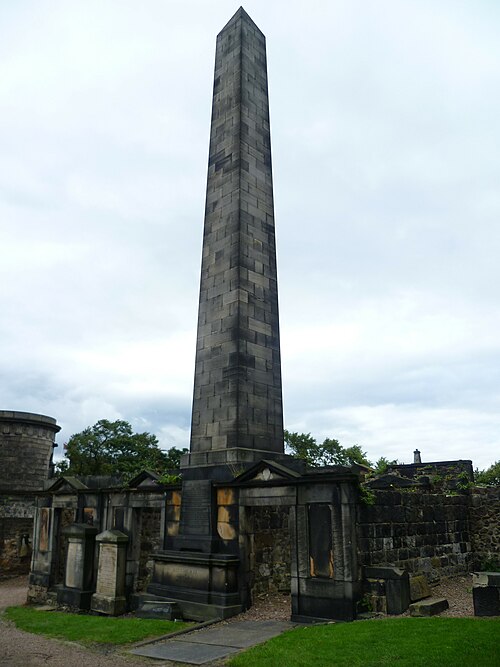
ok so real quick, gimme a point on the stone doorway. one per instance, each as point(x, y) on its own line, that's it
point(268, 547)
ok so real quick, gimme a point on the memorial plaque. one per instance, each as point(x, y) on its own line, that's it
point(43, 535)
point(74, 564)
point(196, 508)
point(320, 541)
point(106, 577)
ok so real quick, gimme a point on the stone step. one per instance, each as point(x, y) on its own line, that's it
point(429, 607)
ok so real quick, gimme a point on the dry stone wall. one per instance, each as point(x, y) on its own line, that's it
point(417, 531)
point(270, 558)
point(485, 527)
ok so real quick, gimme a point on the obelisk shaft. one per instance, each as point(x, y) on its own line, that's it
point(237, 400)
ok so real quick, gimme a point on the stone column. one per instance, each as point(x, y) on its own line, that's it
point(109, 597)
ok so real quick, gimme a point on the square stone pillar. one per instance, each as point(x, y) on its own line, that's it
point(79, 572)
point(109, 597)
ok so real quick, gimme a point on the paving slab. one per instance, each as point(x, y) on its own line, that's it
point(193, 654)
point(202, 646)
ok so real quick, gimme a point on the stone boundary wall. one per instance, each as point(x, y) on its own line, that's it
point(418, 531)
point(484, 516)
point(16, 520)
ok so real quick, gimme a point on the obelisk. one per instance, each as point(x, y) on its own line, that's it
point(237, 416)
point(237, 404)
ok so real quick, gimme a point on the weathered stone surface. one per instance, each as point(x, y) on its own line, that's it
point(419, 531)
point(26, 444)
point(485, 527)
point(429, 607)
point(419, 588)
point(166, 610)
point(389, 589)
point(486, 593)
point(237, 390)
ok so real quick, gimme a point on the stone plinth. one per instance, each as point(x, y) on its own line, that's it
point(109, 597)
point(486, 593)
point(389, 588)
point(205, 586)
point(79, 571)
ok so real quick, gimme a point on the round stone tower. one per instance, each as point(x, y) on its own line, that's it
point(26, 444)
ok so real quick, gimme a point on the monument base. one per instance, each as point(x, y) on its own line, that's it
point(112, 606)
point(74, 597)
point(204, 585)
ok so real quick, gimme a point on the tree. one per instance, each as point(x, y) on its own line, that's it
point(382, 465)
point(112, 448)
point(330, 452)
point(490, 476)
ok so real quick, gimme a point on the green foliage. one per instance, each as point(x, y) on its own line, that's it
point(112, 448)
point(490, 476)
point(302, 446)
point(490, 565)
point(365, 604)
point(89, 629)
point(366, 495)
point(405, 642)
point(382, 465)
point(330, 452)
point(170, 478)
point(463, 482)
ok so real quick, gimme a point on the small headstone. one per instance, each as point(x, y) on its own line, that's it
point(109, 597)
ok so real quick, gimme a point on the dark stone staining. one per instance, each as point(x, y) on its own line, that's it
point(320, 541)
point(238, 331)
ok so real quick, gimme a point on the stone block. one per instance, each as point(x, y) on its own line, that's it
point(429, 607)
point(419, 588)
point(486, 593)
point(161, 609)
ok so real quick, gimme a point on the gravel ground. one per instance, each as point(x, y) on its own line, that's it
point(22, 649)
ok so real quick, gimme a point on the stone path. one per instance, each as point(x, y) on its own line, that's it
point(202, 646)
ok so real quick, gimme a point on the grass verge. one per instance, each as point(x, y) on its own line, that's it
point(89, 629)
point(404, 642)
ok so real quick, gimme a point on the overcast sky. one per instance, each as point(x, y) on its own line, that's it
point(385, 134)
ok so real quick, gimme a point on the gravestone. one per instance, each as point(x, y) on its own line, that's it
point(109, 597)
point(79, 569)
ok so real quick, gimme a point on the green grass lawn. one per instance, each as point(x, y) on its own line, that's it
point(409, 642)
point(89, 629)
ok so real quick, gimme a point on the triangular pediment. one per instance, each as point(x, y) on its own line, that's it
point(66, 484)
point(145, 479)
point(267, 471)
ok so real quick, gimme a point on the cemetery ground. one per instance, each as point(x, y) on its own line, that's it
point(451, 639)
